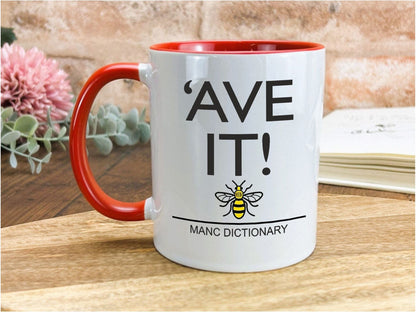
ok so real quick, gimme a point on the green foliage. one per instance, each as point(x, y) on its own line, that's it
point(109, 127)
point(123, 129)
point(26, 124)
point(7, 35)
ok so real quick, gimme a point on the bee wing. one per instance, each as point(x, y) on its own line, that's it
point(224, 197)
point(253, 197)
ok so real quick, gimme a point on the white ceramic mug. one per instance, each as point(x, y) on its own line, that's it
point(235, 155)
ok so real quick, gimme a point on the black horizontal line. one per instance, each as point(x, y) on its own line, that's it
point(238, 223)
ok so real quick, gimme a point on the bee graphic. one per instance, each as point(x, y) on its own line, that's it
point(238, 199)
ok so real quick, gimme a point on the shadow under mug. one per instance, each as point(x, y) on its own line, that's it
point(235, 154)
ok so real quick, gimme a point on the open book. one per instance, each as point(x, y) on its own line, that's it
point(369, 148)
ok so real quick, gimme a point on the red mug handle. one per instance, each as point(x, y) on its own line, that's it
point(102, 202)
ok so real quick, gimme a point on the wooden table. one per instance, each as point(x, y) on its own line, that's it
point(58, 255)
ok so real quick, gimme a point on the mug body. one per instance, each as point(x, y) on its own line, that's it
point(235, 154)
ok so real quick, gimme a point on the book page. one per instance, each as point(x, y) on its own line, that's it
point(402, 182)
point(369, 131)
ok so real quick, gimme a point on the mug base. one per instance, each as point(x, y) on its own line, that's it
point(236, 268)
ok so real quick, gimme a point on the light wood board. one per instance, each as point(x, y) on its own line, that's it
point(364, 260)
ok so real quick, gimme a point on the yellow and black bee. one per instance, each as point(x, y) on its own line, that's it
point(238, 199)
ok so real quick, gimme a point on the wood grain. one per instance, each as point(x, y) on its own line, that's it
point(364, 260)
point(124, 174)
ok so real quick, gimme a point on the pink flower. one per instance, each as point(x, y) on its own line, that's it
point(31, 83)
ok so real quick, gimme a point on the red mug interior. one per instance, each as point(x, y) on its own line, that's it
point(236, 47)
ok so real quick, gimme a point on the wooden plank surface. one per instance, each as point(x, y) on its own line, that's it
point(364, 260)
point(54, 192)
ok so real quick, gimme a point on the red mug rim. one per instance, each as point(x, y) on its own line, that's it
point(237, 47)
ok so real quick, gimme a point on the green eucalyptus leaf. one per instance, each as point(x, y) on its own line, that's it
point(131, 118)
point(22, 148)
point(121, 139)
point(110, 126)
point(69, 116)
point(39, 168)
point(95, 125)
point(90, 118)
point(87, 131)
point(49, 118)
point(48, 134)
point(62, 133)
point(111, 116)
point(13, 117)
point(134, 135)
point(47, 158)
point(114, 109)
point(34, 149)
point(13, 160)
point(142, 116)
point(13, 145)
point(100, 124)
point(32, 144)
point(7, 127)
point(121, 125)
point(144, 129)
point(10, 137)
point(92, 124)
point(104, 145)
point(6, 113)
point(48, 145)
point(101, 112)
point(32, 165)
point(26, 124)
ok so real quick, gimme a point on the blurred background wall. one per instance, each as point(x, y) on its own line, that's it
point(370, 44)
